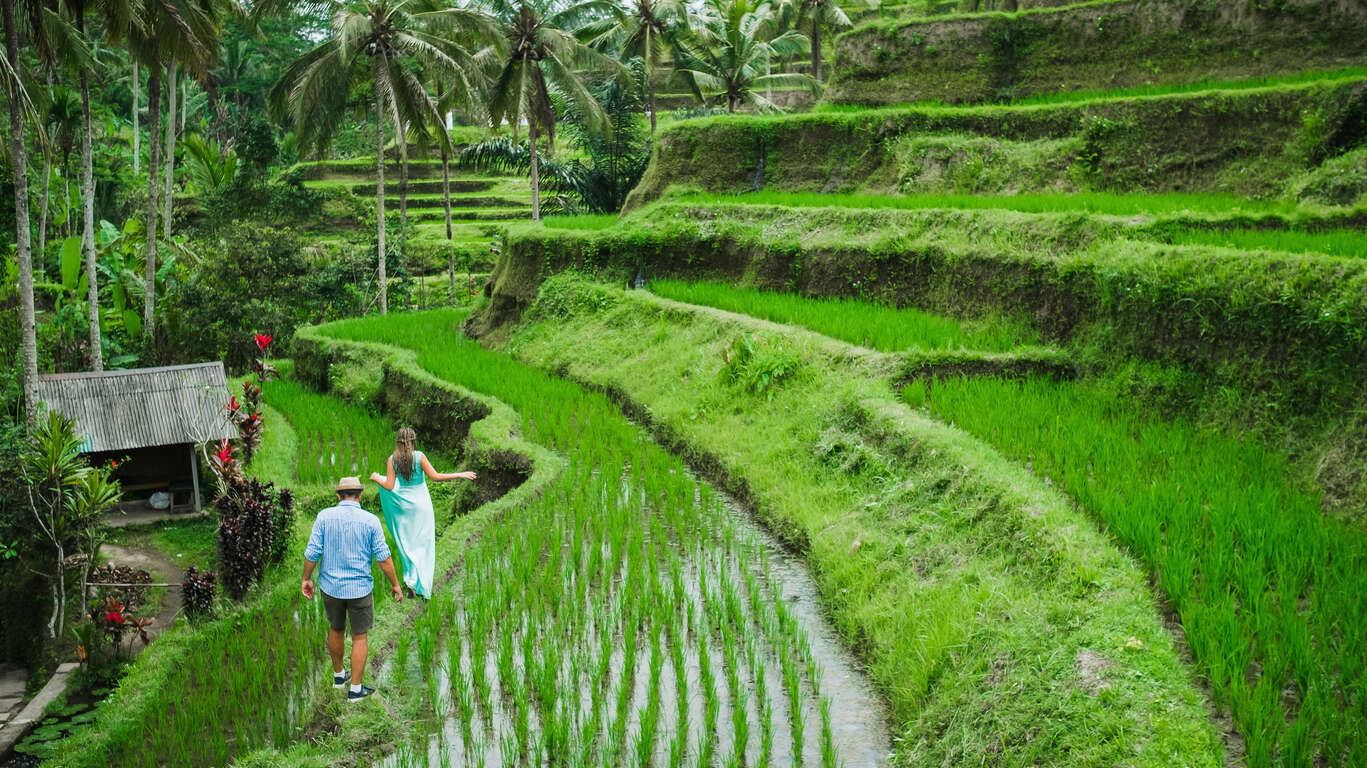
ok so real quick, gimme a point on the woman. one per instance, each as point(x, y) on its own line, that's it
point(408, 510)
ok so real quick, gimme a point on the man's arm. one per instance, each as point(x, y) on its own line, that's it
point(387, 565)
point(307, 587)
point(312, 552)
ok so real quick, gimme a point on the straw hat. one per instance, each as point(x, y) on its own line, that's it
point(352, 483)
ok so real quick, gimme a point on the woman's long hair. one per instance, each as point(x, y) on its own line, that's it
point(403, 452)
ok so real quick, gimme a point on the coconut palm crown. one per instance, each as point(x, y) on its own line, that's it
point(734, 42)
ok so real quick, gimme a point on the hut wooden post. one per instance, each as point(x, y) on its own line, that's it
point(194, 477)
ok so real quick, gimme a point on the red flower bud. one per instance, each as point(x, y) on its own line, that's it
point(225, 453)
point(232, 403)
point(263, 340)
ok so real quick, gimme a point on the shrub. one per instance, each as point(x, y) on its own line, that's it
point(253, 531)
point(199, 592)
point(758, 367)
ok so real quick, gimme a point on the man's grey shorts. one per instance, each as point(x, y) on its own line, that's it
point(360, 610)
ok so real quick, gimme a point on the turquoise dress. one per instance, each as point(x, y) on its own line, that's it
point(408, 513)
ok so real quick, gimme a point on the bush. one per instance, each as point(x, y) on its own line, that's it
point(253, 531)
point(758, 367)
point(199, 592)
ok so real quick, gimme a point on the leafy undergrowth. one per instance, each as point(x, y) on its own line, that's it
point(1000, 625)
point(887, 329)
point(1268, 589)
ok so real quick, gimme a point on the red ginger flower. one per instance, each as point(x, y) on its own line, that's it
point(232, 403)
point(225, 453)
point(113, 617)
point(263, 340)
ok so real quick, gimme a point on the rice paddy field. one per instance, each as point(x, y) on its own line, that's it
point(1266, 587)
point(1081, 202)
point(628, 616)
point(887, 329)
point(335, 439)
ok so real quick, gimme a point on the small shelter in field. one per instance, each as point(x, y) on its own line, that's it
point(148, 420)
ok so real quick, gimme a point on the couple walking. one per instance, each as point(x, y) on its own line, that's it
point(346, 538)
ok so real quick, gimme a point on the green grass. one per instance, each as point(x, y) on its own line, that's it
point(585, 221)
point(858, 322)
point(189, 542)
point(1072, 97)
point(1269, 590)
point(1347, 243)
point(1085, 202)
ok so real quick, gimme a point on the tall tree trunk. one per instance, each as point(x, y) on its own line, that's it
point(153, 159)
point(88, 221)
point(22, 242)
point(170, 152)
point(379, 194)
point(403, 195)
point(446, 210)
point(184, 102)
point(650, 84)
point(816, 49)
point(66, 193)
point(536, 179)
point(650, 81)
point(136, 139)
point(41, 254)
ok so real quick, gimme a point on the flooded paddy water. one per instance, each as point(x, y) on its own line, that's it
point(633, 617)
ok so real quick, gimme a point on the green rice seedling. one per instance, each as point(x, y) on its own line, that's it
point(1345, 243)
point(401, 654)
point(828, 756)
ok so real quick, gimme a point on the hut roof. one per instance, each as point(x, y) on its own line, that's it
point(143, 407)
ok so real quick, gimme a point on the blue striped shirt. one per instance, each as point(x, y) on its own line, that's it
point(346, 537)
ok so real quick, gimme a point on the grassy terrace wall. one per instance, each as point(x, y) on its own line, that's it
point(1248, 142)
point(1285, 330)
point(995, 56)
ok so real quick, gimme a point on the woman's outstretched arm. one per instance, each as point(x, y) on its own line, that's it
point(386, 481)
point(434, 475)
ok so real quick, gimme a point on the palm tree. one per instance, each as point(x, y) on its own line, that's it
point(542, 55)
point(642, 29)
point(369, 41)
point(63, 124)
point(734, 42)
point(816, 14)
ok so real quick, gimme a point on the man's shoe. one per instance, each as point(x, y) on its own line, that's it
point(341, 681)
point(361, 694)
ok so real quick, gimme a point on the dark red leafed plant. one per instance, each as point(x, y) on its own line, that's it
point(199, 592)
point(254, 522)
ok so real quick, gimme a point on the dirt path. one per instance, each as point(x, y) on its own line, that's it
point(163, 569)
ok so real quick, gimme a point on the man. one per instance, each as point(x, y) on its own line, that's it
point(347, 537)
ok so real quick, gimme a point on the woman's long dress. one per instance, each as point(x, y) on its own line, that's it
point(408, 513)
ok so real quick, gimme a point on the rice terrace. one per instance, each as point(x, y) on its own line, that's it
point(664, 383)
